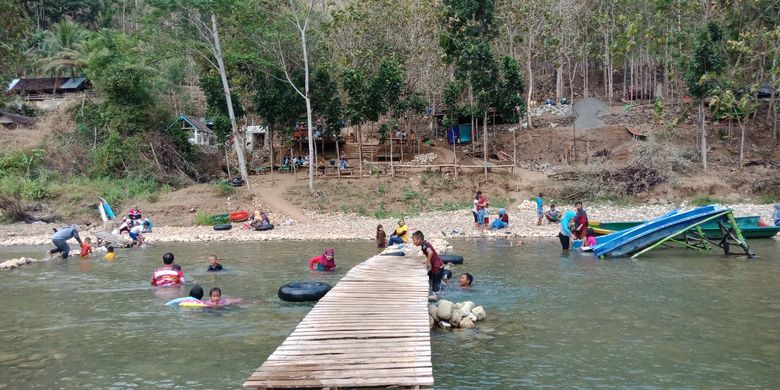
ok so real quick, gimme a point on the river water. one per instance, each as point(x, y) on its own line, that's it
point(675, 319)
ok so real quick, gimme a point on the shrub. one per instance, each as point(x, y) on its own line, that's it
point(202, 219)
point(223, 189)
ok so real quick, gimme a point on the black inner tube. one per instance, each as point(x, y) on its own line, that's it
point(263, 228)
point(303, 291)
point(223, 226)
point(454, 259)
point(394, 254)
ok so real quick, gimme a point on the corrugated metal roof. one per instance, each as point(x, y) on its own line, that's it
point(196, 123)
point(73, 83)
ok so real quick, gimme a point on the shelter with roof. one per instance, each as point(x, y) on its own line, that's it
point(198, 129)
point(42, 86)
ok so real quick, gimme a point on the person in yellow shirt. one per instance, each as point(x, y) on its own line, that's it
point(110, 255)
point(400, 234)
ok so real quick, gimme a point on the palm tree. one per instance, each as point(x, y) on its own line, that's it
point(64, 48)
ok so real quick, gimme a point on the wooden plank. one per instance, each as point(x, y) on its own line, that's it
point(346, 340)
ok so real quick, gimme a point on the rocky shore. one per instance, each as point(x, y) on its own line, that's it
point(339, 226)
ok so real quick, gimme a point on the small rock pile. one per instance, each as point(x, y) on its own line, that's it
point(423, 159)
point(559, 110)
point(16, 263)
point(447, 315)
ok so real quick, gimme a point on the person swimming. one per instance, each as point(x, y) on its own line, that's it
point(323, 262)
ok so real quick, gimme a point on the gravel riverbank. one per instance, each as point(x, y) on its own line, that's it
point(338, 227)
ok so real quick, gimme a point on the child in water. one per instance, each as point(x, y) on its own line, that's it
point(323, 262)
point(110, 255)
point(214, 265)
point(216, 296)
point(465, 280)
point(381, 236)
point(196, 292)
point(86, 247)
point(591, 240)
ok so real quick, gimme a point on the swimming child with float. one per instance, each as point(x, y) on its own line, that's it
point(323, 262)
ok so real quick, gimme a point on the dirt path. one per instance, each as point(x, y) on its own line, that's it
point(272, 190)
point(589, 112)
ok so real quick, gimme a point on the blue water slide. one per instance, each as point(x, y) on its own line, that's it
point(639, 237)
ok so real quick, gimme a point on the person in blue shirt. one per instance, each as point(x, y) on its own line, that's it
point(60, 240)
point(776, 215)
point(539, 209)
point(565, 234)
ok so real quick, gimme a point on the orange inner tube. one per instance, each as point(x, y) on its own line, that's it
point(239, 216)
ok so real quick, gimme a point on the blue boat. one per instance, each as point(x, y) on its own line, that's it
point(671, 224)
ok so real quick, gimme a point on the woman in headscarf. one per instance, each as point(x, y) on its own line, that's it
point(259, 219)
point(565, 234)
point(501, 221)
point(400, 234)
point(323, 262)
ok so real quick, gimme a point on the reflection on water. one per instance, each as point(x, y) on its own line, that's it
point(674, 319)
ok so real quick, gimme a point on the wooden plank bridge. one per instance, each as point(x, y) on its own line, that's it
point(117, 241)
point(370, 330)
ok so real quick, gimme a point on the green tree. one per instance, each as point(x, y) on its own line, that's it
point(64, 49)
point(701, 73)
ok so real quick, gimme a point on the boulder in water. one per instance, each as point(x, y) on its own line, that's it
point(468, 306)
point(444, 310)
point(466, 324)
point(432, 311)
point(479, 311)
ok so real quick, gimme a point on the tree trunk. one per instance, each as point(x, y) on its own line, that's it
point(703, 136)
point(238, 143)
point(360, 151)
point(773, 98)
point(530, 86)
point(741, 143)
point(485, 144)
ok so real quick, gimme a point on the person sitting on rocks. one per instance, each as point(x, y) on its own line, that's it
point(553, 215)
point(323, 262)
point(465, 280)
point(501, 221)
point(134, 213)
point(259, 219)
point(400, 234)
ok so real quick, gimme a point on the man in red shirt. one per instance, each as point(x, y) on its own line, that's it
point(482, 204)
point(167, 275)
point(434, 262)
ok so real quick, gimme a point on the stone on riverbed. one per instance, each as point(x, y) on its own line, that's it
point(479, 311)
point(444, 310)
point(432, 311)
point(466, 324)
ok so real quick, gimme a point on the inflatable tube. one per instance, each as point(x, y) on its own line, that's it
point(220, 218)
point(194, 303)
point(453, 259)
point(265, 227)
point(239, 216)
point(109, 213)
point(393, 254)
point(223, 226)
point(303, 291)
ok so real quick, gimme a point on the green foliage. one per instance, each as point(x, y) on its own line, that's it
point(509, 97)
point(277, 101)
point(706, 63)
point(325, 99)
point(704, 200)
point(223, 189)
point(211, 84)
point(202, 219)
